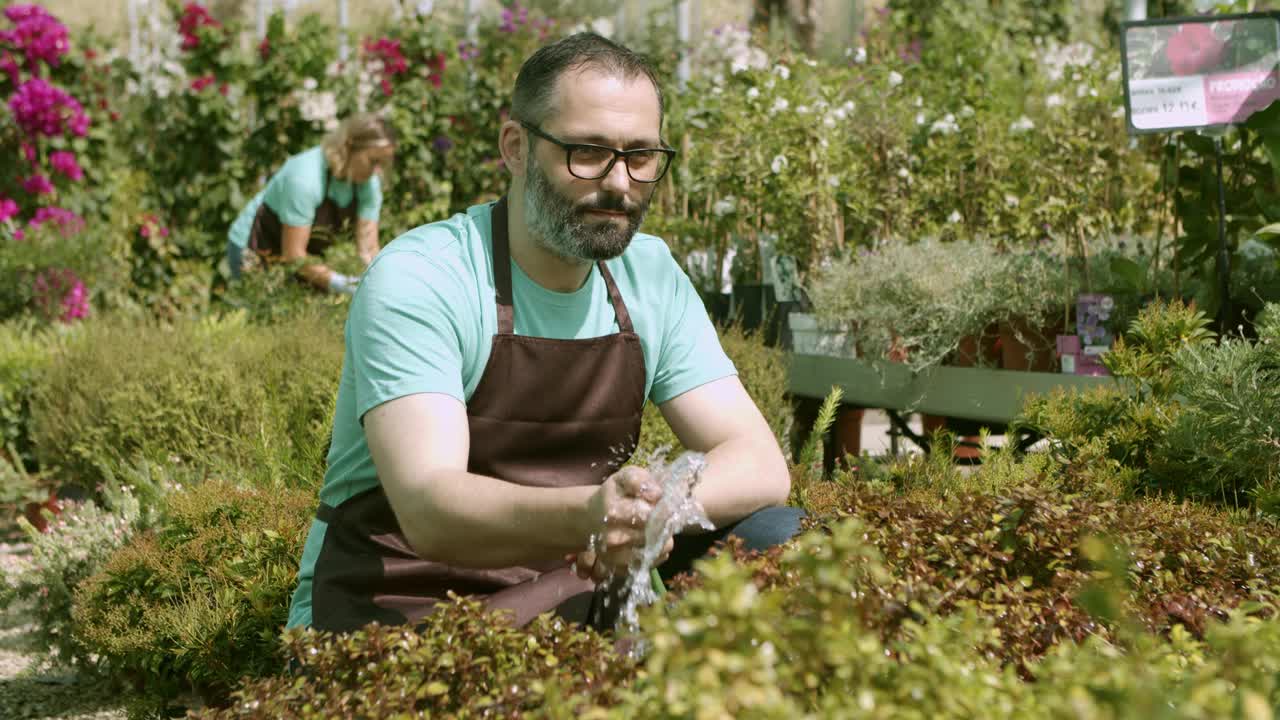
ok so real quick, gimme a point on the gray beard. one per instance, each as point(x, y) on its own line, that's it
point(560, 228)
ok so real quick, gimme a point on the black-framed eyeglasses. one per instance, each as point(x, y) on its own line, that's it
point(592, 162)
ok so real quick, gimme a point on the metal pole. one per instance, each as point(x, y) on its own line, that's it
point(134, 39)
point(1135, 9)
point(343, 22)
point(1224, 256)
point(683, 12)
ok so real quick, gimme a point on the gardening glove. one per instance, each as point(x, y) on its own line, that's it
point(339, 283)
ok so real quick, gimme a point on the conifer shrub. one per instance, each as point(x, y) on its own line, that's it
point(216, 391)
point(199, 602)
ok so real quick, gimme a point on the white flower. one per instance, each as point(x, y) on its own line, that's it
point(1022, 124)
point(904, 173)
point(1113, 76)
point(717, 90)
point(333, 69)
point(718, 79)
point(847, 106)
point(920, 118)
point(829, 122)
point(966, 112)
point(895, 78)
point(810, 63)
point(309, 84)
point(725, 206)
point(779, 164)
point(839, 113)
point(860, 55)
point(1012, 200)
point(1054, 100)
point(802, 109)
point(955, 217)
point(603, 27)
point(424, 7)
point(753, 93)
point(779, 105)
point(1119, 113)
point(833, 181)
point(782, 71)
point(1083, 89)
point(946, 125)
point(919, 101)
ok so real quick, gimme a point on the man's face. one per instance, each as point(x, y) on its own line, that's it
point(587, 220)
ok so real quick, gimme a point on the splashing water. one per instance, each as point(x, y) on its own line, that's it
point(675, 512)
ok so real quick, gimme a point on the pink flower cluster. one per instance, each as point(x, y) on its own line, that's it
point(37, 184)
point(8, 208)
point(151, 227)
point(204, 81)
point(194, 17)
point(42, 109)
point(393, 60)
point(67, 222)
point(36, 34)
point(65, 162)
point(60, 294)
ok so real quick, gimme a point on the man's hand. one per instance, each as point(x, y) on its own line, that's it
point(623, 503)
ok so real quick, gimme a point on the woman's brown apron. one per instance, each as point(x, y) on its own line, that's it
point(267, 233)
point(547, 413)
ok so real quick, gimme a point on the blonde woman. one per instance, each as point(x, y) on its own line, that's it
point(329, 186)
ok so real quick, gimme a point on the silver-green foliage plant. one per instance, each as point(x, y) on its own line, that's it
point(75, 546)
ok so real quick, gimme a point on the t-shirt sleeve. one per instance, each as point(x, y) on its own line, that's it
point(691, 354)
point(295, 193)
point(404, 332)
point(369, 198)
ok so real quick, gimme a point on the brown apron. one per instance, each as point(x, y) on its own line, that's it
point(547, 413)
point(267, 234)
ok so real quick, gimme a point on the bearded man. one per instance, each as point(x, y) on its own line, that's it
point(497, 364)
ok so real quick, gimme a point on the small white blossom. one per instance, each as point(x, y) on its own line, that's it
point(966, 112)
point(309, 84)
point(725, 206)
point(955, 217)
point(895, 78)
point(921, 119)
point(847, 106)
point(919, 101)
point(829, 121)
point(946, 125)
point(779, 164)
point(860, 55)
point(833, 181)
point(424, 7)
point(753, 93)
point(779, 104)
point(1119, 113)
point(782, 71)
point(1022, 124)
point(769, 83)
point(802, 109)
point(904, 173)
point(810, 63)
point(1054, 100)
point(1012, 200)
point(1084, 89)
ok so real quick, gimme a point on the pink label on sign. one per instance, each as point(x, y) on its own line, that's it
point(1233, 97)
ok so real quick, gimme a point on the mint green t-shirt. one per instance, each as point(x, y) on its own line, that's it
point(297, 189)
point(424, 318)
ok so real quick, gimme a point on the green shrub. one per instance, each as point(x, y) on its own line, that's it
point(1187, 415)
point(26, 351)
point(75, 546)
point(215, 393)
point(463, 662)
point(763, 372)
point(199, 602)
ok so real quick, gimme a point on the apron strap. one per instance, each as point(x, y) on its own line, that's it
point(326, 513)
point(502, 277)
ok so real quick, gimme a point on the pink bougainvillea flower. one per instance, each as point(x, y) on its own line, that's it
point(67, 222)
point(36, 34)
point(37, 185)
point(194, 17)
point(65, 162)
point(42, 109)
point(29, 152)
point(60, 294)
point(1194, 49)
point(8, 208)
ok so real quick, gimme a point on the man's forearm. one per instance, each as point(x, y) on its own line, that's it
point(477, 521)
point(742, 476)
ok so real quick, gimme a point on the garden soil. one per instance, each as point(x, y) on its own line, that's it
point(25, 694)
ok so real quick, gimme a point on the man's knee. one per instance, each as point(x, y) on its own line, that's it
point(768, 527)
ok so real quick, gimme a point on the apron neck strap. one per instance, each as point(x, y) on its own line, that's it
point(502, 277)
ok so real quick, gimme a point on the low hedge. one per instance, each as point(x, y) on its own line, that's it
point(208, 393)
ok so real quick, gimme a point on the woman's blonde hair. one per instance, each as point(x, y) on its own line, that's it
point(364, 131)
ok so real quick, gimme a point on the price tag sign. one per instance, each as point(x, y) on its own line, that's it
point(1197, 72)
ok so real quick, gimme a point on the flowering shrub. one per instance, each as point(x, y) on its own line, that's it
point(75, 546)
point(60, 295)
